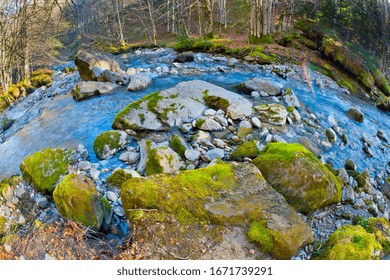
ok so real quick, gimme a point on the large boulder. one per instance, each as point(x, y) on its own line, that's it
point(163, 160)
point(185, 102)
point(261, 85)
point(44, 168)
point(351, 243)
point(41, 77)
point(184, 57)
point(109, 143)
point(139, 81)
point(76, 198)
point(274, 114)
point(84, 90)
point(86, 61)
point(196, 207)
point(299, 176)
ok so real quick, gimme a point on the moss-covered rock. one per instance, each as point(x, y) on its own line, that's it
point(275, 114)
point(109, 143)
point(3, 228)
point(6, 124)
point(117, 178)
point(44, 168)
point(351, 243)
point(76, 198)
point(42, 77)
point(299, 176)
point(163, 160)
point(178, 144)
point(204, 203)
point(380, 227)
point(382, 102)
point(216, 102)
point(246, 150)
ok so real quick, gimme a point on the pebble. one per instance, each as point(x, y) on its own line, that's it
point(219, 143)
point(111, 196)
point(21, 193)
point(133, 157)
point(235, 138)
point(255, 95)
point(251, 252)
point(119, 211)
point(192, 155)
point(7, 248)
point(21, 220)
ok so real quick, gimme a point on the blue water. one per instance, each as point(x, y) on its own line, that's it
point(64, 122)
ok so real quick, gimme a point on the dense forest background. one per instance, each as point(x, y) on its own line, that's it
point(40, 32)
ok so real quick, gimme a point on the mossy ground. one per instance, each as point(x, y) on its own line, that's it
point(380, 228)
point(289, 168)
point(117, 178)
point(246, 150)
point(350, 243)
point(44, 168)
point(76, 198)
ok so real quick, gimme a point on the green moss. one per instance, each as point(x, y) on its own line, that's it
point(44, 168)
point(153, 101)
point(289, 168)
point(381, 82)
point(290, 109)
point(380, 228)
point(246, 150)
point(200, 122)
point(177, 145)
point(117, 178)
point(346, 84)
point(41, 80)
point(350, 243)
point(184, 45)
point(261, 235)
point(216, 102)
point(108, 140)
point(181, 195)
point(153, 163)
point(77, 198)
point(3, 228)
point(263, 39)
point(42, 71)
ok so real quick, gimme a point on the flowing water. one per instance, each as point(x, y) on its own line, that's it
point(60, 121)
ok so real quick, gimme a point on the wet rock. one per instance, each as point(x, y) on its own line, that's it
point(299, 176)
point(184, 57)
point(331, 135)
point(274, 114)
point(111, 196)
point(381, 135)
point(219, 143)
point(84, 90)
point(355, 114)
point(86, 61)
point(139, 81)
point(261, 85)
point(109, 143)
point(350, 165)
point(203, 195)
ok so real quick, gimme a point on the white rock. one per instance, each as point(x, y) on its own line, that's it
point(139, 81)
point(219, 143)
point(192, 155)
point(111, 196)
point(95, 174)
point(256, 122)
point(210, 112)
point(214, 154)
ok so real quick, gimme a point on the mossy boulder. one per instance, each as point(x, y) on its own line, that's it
point(204, 204)
point(351, 243)
point(6, 124)
point(3, 226)
point(382, 102)
point(163, 160)
point(248, 149)
point(172, 107)
point(42, 77)
point(299, 176)
point(118, 177)
point(108, 143)
point(76, 198)
point(380, 228)
point(44, 168)
point(178, 144)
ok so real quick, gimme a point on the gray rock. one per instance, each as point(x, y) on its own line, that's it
point(214, 154)
point(359, 204)
point(139, 81)
point(291, 99)
point(21, 193)
point(84, 165)
point(256, 122)
point(111, 196)
point(84, 90)
point(245, 124)
point(221, 120)
point(124, 156)
point(208, 124)
point(166, 158)
point(95, 174)
point(102, 75)
point(210, 113)
point(259, 85)
point(42, 202)
point(133, 157)
point(255, 95)
point(184, 57)
point(274, 114)
point(21, 220)
point(239, 110)
point(344, 175)
point(219, 143)
point(348, 194)
point(86, 61)
point(7, 193)
point(192, 155)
